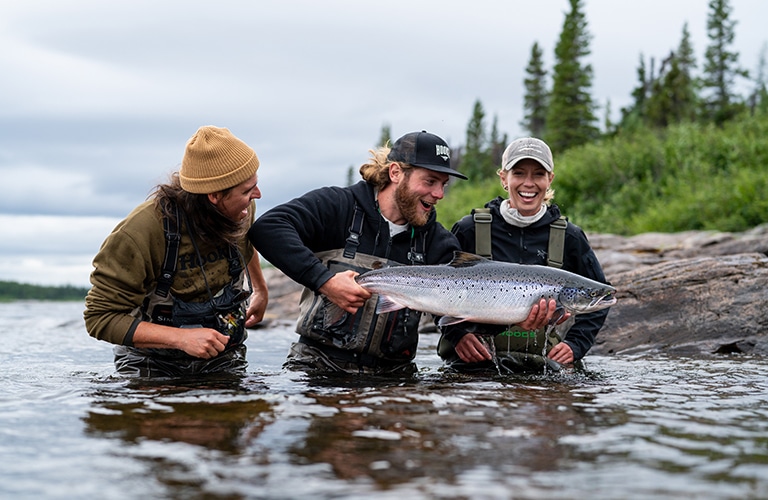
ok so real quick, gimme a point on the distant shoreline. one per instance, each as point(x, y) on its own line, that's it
point(11, 291)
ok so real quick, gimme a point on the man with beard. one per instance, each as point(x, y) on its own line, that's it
point(328, 236)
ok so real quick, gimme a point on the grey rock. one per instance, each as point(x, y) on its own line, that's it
point(690, 306)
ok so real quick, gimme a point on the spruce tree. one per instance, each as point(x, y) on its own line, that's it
point(351, 175)
point(673, 93)
point(720, 103)
point(475, 160)
point(758, 99)
point(687, 90)
point(386, 136)
point(660, 107)
point(535, 99)
point(496, 146)
point(571, 114)
point(634, 114)
point(684, 53)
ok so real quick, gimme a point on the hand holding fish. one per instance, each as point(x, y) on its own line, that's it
point(542, 315)
point(345, 292)
point(471, 350)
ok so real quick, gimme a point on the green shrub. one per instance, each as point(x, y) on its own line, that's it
point(462, 196)
point(685, 177)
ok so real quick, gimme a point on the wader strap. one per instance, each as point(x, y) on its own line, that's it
point(556, 242)
point(483, 218)
point(172, 239)
point(355, 231)
point(235, 262)
point(416, 256)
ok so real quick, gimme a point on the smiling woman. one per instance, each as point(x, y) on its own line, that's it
point(525, 227)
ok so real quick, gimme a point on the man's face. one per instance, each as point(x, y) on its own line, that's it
point(236, 202)
point(417, 195)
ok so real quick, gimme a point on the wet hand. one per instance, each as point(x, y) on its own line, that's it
point(256, 309)
point(343, 290)
point(541, 315)
point(562, 353)
point(205, 343)
point(471, 350)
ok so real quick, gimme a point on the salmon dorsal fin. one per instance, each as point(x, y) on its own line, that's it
point(466, 259)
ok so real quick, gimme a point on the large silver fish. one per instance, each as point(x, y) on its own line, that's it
point(472, 288)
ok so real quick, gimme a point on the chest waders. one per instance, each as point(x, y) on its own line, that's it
point(224, 311)
point(366, 339)
point(514, 339)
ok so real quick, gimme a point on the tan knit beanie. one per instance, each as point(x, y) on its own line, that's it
point(215, 160)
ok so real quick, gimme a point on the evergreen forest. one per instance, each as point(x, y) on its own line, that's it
point(689, 153)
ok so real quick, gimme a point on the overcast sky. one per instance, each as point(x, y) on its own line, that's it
point(98, 98)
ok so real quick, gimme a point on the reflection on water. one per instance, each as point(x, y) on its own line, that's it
point(639, 427)
point(212, 415)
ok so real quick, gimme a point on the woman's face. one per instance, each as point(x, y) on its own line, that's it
point(234, 204)
point(527, 183)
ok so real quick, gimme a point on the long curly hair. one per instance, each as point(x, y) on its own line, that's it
point(202, 217)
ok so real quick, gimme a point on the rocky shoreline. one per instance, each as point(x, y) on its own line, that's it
point(689, 293)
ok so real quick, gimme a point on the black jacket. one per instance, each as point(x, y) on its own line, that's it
point(529, 245)
point(288, 235)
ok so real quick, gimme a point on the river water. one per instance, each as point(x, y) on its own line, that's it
point(623, 427)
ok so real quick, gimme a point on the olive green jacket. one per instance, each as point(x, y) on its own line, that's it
point(128, 264)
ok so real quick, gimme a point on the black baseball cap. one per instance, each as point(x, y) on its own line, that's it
point(425, 150)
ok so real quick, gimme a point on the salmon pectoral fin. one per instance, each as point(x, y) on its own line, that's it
point(386, 305)
point(449, 320)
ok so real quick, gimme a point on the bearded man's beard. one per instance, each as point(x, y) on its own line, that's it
point(409, 205)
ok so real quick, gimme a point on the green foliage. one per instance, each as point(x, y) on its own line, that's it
point(673, 99)
point(686, 154)
point(482, 153)
point(684, 177)
point(462, 196)
point(536, 96)
point(571, 117)
point(668, 97)
point(721, 65)
point(758, 98)
point(10, 291)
